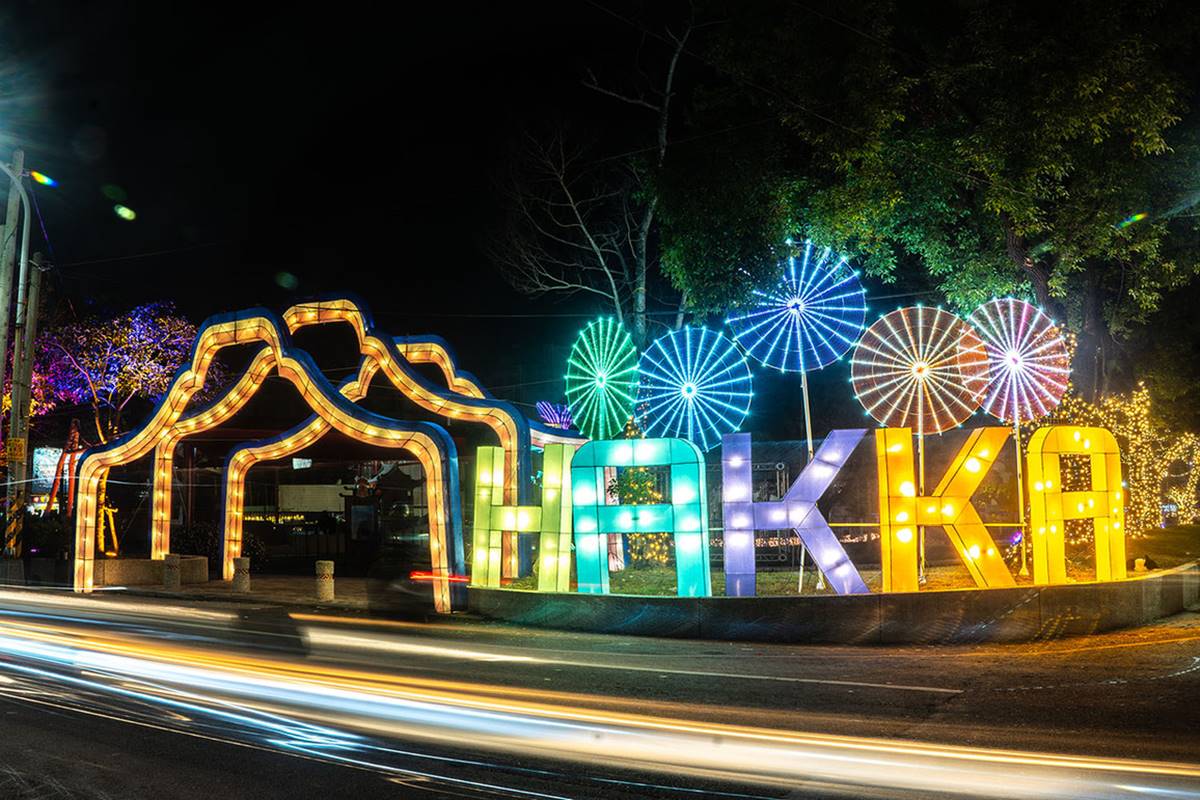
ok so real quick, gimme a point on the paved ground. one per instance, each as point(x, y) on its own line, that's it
point(1127, 694)
point(290, 590)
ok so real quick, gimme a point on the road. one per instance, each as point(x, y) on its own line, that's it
point(125, 697)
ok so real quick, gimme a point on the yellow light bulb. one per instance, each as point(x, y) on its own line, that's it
point(904, 535)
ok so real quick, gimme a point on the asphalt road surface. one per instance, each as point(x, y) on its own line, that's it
point(123, 697)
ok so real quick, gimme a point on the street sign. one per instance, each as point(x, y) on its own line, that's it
point(14, 449)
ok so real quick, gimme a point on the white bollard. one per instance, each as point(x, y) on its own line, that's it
point(171, 575)
point(241, 574)
point(324, 580)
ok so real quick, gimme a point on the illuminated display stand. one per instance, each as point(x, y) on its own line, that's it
point(575, 506)
point(333, 408)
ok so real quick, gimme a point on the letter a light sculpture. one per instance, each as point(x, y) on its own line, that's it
point(686, 515)
point(797, 510)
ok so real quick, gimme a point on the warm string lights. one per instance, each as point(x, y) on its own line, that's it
point(1149, 453)
point(694, 385)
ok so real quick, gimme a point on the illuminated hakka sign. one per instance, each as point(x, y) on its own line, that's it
point(902, 508)
point(575, 502)
point(552, 519)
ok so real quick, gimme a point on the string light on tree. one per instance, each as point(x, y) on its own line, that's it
point(602, 379)
point(695, 385)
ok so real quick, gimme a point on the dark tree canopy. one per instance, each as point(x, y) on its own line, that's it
point(1042, 149)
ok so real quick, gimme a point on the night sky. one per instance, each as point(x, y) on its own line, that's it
point(348, 149)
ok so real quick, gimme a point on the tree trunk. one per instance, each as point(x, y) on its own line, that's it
point(1090, 356)
point(1038, 273)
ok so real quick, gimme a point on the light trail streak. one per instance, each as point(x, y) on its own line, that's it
point(339, 706)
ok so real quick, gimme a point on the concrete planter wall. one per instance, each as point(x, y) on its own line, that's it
point(147, 572)
point(965, 615)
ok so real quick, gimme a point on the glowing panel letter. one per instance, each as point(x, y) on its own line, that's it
point(797, 510)
point(1050, 506)
point(686, 515)
point(901, 510)
point(552, 519)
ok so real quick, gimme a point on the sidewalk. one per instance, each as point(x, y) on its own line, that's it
point(284, 590)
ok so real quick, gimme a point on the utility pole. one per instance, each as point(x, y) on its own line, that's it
point(16, 199)
point(29, 301)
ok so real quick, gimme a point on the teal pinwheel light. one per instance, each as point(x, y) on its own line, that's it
point(695, 385)
point(602, 378)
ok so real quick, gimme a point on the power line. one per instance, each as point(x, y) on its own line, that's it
point(150, 254)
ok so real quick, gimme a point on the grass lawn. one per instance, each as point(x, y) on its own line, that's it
point(1170, 547)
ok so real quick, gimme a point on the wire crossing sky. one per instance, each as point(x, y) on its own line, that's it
point(920, 368)
point(1030, 362)
point(695, 385)
point(602, 377)
point(809, 319)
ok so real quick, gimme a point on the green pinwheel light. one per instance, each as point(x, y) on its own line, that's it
point(602, 377)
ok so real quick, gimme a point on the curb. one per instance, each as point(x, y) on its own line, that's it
point(957, 616)
point(247, 599)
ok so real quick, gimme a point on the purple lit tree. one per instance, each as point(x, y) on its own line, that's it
point(107, 362)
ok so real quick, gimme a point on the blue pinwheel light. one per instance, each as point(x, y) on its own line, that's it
point(695, 385)
point(809, 319)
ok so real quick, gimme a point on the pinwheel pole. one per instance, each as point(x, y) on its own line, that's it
point(1020, 492)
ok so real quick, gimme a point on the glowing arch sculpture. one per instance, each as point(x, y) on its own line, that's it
point(334, 408)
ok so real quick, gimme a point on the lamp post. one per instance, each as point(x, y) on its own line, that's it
point(14, 174)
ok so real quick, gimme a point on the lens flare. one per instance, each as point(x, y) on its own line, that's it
point(42, 178)
point(1131, 219)
point(125, 212)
